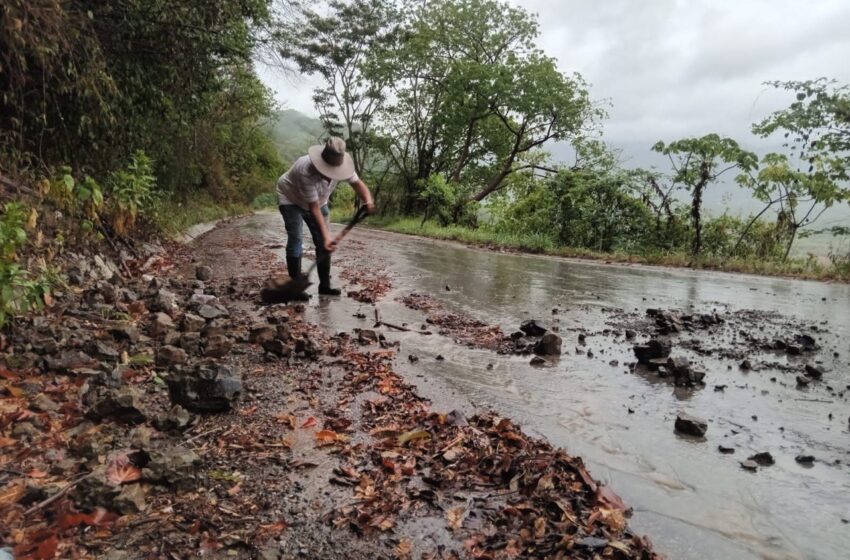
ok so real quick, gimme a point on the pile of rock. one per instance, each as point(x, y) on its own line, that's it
point(534, 337)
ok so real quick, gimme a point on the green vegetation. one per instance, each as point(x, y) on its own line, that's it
point(449, 107)
point(129, 118)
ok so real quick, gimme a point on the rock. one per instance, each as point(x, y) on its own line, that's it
point(192, 323)
point(532, 328)
point(130, 500)
point(105, 267)
point(683, 374)
point(25, 429)
point(125, 331)
point(367, 336)
point(45, 346)
point(306, 347)
point(121, 403)
point(814, 372)
point(652, 350)
point(161, 324)
point(277, 347)
point(170, 356)
point(630, 334)
point(261, 334)
point(203, 273)
point(171, 465)
point(198, 300)
point(591, 543)
point(216, 346)
point(96, 491)
point(43, 403)
point(725, 450)
point(176, 418)
point(210, 312)
point(456, 418)
point(805, 342)
point(70, 361)
point(537, 361)
point(548, 345)
point(764, 459)
point(667, 322)
point(103, 351)
point(746, 365)
point(413, 358)
point(210, 388)
point(516, 335)
point(807, 460)
point(749, 465)
point(190, 342)
point(690, 425)
point(803, 381)
point(164, 301)
point(172, 338)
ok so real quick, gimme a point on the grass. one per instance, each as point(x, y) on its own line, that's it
point(483, 237)
point(173, 217)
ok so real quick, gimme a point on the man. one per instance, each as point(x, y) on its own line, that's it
point(303, 194)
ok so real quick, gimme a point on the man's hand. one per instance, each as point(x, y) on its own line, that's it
point(330, 245)
point(370, 207)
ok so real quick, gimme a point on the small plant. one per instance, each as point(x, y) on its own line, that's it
point(131, 192)
point(19, 290)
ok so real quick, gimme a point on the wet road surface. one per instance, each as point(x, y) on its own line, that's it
point(692, 500)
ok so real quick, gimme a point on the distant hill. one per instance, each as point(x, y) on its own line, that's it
point(293, 132)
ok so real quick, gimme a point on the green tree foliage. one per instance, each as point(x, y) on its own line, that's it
point(698, 163)
point(339, 47)
point(86, 83)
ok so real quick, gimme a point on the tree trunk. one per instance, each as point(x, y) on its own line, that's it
point(464, 153)
point(696, 209)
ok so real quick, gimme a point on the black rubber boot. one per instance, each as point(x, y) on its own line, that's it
point(293, 267)
point(324, 267)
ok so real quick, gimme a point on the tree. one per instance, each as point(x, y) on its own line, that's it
point(340, 47)
point(698, 163)
point(816, 125)
point(801, 196)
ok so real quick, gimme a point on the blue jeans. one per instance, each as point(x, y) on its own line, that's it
point(293, 219)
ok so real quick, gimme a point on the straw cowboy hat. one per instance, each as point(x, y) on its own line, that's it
point(331, 160)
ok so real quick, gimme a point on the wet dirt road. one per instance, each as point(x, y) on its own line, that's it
point(694, 501)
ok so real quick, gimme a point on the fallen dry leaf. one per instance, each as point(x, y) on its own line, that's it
point(309, 423)
point(413, 435)
point(403, 549)
point(11, 493)
point(120, 470)
point(455, 517)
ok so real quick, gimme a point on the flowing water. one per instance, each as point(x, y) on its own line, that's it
point(694, 502)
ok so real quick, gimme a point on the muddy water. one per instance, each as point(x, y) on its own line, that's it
point(695, 502)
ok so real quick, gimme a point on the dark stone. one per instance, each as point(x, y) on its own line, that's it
point(367, 336)
point(176, 418)
point(805, 342)
point(121, 403)
point(683, 374)
point(805, 459)
point(190, 342)
point(749, 465)
point(170, 356)
point(70, 361)
point(103, 351)
point(532, 328)
point(654, 349)
point(277, 347)
point(164, 301)
point(216, 346)
point(591, 543)
point(210, 312)
point(516, 335)
point(203, 273)
point(125, 331)
point(413, 358)
point(803, 381)
point(261, 334)
point(548, 345)
point(725, 450)
point(161, 324)
point(209, 388)
point(765, 459)
point(171, 465)
point(690, 425)
point(537, 361)
point(814, 372)
point(746, 365)
point(192, 322)
point(630, 334)
point(456, 418)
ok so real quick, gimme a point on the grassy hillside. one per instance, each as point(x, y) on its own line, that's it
point(293, 132)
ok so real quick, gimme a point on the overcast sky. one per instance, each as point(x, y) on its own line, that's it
point(676, 68)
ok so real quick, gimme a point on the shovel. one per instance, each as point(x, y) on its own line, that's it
point(296, 286)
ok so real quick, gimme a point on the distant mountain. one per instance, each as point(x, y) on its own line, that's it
point(293, 132)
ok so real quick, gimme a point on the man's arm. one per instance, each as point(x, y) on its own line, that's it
point(363, 192)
